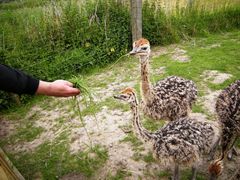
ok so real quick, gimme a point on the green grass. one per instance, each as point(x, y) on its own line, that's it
point(28, 132)
point(198, 109)
point(135, 142)
point(163, 174)
point(149, 158)
point(186, 174)
point(152, 125)
point(120, 175)
point(238, 143)
point(53, 160)
point(223, 59)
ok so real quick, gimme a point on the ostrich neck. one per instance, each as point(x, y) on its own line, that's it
point(139, 129)
point(146, 84)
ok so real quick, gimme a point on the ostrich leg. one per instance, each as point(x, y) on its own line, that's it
point(194, 172)
point(176, 172)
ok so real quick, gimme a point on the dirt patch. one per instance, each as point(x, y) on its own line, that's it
point(215, 77)
point(106, 131)
point(7, 128)
point(109, 134)
point(48, 122)
point(199, 116)
point(74, 176)
point(159, 71)
point(100, 94)
point(209, 101)
point(180, 55)
point(158, 51)
point(121, 158)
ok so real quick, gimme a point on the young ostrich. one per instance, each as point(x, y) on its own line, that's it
point(228, 111)
point(180, 142)
point(171, 98)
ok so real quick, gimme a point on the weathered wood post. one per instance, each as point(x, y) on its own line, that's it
point(7, 170)
point(136, 19)
point(190, 3)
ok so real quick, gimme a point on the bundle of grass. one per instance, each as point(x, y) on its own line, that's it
point(79, 83)
point(86, 99)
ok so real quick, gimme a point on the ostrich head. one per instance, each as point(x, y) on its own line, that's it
point(127, 95)
point(141, 47)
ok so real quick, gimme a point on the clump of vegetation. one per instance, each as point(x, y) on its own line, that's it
point(79, 82)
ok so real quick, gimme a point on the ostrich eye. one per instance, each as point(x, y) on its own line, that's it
point(144, 48)
point(123, 96)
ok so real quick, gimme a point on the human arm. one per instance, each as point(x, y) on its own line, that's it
point(12, 80)
point(58, 88)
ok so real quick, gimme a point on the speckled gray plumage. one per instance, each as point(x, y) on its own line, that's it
point(172, 99)
point(181, 142)
point(228, 111)
point(184, 141)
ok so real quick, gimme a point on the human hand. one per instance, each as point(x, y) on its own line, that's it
point(58, 88)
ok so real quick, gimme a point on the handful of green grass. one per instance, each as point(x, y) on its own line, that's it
point(78, 82)
point(86, 98)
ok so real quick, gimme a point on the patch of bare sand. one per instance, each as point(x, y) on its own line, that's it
point(158, 51)
point(121, 158)
point(180, 55)
point(199, 116)
point(100, 94)
point(109, 134)
point(159, 71)
point(106, 131)
point(209, 101)
point(215, 77)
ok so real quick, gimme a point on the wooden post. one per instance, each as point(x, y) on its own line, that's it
point(136, 19)
point(7, 170)
point(190, 3)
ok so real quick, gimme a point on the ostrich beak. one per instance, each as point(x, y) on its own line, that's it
point(117, 96)
point(133, 52)
point(120, 97)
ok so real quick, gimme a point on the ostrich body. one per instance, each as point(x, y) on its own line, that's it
point(228, 112)
point(180, 142)
point(171, 98)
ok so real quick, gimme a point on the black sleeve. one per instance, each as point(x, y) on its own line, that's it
point(12, 80)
